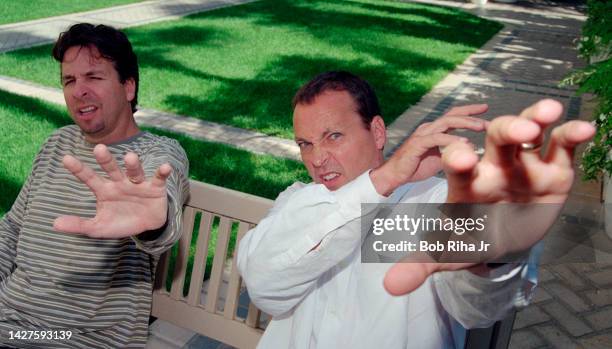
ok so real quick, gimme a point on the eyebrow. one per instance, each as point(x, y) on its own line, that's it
point(67, 76)
point(325, 134)
point(95, 72)
point(89, 73)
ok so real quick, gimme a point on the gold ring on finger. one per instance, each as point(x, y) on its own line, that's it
point(134, 180)
point(531, 147)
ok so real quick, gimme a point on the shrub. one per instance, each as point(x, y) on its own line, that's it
point(595, 47)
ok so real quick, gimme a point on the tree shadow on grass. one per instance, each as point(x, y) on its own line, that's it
point(157, 47)
point(264, 102)
point(9, 188)
point(455, 20)
point(238, 169)
point(156, 58)
point(153, 46)
point(177, 35)
point(451, 26)
point(36, 109)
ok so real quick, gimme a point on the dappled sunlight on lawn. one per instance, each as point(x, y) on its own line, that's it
point(241, 65)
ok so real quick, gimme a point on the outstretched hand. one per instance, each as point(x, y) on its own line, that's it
point(511, 170)
point(127, 203)
point(419, 156)
point(426, 141)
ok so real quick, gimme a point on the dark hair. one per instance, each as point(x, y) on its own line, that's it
point(359, 89)
point(110, 42)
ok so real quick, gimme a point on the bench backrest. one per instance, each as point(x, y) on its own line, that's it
point(216, 315)
point(205, 316)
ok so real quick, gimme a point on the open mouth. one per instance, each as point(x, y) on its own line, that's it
point(328, 177)
point(87, 112)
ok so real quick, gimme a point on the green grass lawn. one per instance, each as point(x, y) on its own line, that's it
point(241, 65)
point(16, 11)
point(25, 123)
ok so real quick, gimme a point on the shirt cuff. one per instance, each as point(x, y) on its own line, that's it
point(167, 237)
point(359, 191)
point(501, 273)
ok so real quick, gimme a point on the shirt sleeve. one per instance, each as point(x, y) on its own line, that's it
point(477, 301)
point(177, 184)
point(308, 231)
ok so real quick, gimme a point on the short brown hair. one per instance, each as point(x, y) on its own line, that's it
point(110, 42)
point(362, 93)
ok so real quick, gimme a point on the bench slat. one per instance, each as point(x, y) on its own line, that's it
point(180, 266)
point(253, 315)
point(216, 278)
point(199, 260)
point(229, 205)
point(233, 290)
point(162, 273)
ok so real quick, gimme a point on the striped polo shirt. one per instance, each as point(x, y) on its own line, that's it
point(99, 289)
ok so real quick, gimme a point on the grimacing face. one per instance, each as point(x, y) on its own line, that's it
point(335, 145)
point(96, 99)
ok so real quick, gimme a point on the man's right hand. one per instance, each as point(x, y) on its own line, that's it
point(419, 157)
point(127, 203)
point(512, 170)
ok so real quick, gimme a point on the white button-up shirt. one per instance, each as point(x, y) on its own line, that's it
point(326, 298)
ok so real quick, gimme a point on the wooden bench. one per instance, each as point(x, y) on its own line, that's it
point(216, 316)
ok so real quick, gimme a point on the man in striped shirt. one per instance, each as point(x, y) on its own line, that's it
point(79, 247)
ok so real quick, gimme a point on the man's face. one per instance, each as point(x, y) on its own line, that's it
point(335, 145)
point(97, 101)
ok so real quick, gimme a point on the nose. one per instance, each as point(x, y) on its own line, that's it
point(80, 89)
point(320, 156)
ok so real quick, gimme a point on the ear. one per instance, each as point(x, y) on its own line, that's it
point(130, 89)
point(379, 131)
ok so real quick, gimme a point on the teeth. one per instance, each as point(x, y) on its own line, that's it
point(330, 176)
point(87, 110)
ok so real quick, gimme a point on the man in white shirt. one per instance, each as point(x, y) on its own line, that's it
point(302, 263)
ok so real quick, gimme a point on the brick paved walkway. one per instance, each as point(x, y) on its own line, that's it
point(523, 63)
